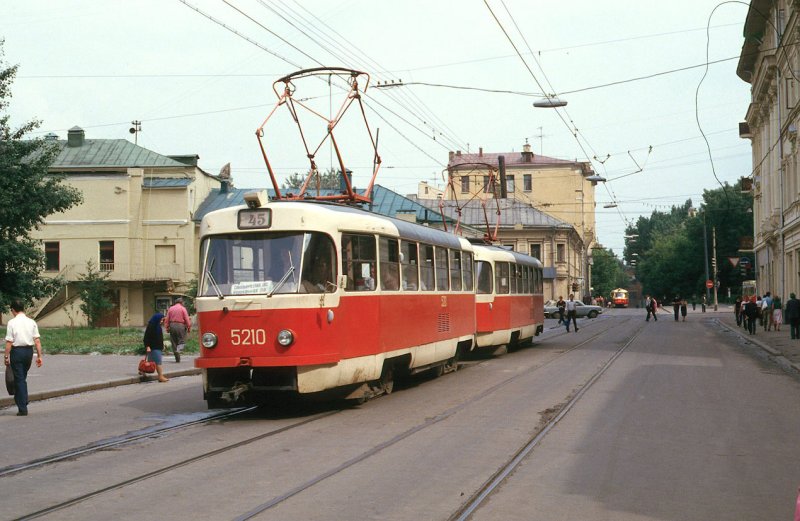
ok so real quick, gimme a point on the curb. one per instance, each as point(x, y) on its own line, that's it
point(769, 349)
point(46, 395)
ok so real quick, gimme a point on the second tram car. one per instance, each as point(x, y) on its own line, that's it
point(305, 297)
point(619, 298)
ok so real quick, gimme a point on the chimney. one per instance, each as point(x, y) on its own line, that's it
point(75, 137)
point(451, 155)
point(527, 155)
point(480, 151)
point(458, 153)
point(342, 184)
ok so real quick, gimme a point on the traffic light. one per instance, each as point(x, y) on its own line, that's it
point(574, 287)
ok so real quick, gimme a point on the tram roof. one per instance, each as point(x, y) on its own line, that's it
point(385, 202)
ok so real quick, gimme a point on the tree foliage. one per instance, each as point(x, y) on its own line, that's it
point(671, 246)
point(329, 180)
point(93, 289)
point(28, 194)
point(607, 272)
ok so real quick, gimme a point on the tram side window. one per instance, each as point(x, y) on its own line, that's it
point(389, 264)
point(526, 286)
point(426, 278)
point(539, 281)
point(501, 278)
point(358, 262)
point(455, 270)
point(520, 286)
point(442, 277)
point(466, 264)
point(319, 264)
point(483, 272)
point(409, 261)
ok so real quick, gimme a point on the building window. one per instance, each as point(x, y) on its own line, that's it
point(51, 256)
point(560, 250)
point(536, 251)
point(527, 182)
point(106, 255)
point(486, 187)
point(510, 184)
point(464, 184)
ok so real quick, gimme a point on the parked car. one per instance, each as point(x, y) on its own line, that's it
point(581, 310)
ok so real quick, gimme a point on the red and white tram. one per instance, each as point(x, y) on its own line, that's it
point(509, 305)
point(306, 297)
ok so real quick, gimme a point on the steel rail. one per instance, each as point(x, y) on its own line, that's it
point(88, 449)
point(477, 499)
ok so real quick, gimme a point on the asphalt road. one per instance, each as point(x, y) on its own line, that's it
point(680, 422)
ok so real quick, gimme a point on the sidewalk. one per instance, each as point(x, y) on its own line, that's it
point(776, 343)
point(61, 375)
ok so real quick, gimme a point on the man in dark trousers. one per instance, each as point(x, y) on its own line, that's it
point(792, 312)
point(752, 313)
point(676, 306)
point(22, 334)
point(572, 313)
point(650, 305)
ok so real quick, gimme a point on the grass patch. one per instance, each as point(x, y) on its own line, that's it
point(106, 341)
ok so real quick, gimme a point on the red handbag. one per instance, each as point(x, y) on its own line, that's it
point(147, 366)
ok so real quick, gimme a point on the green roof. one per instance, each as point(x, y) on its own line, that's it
point(77, 152)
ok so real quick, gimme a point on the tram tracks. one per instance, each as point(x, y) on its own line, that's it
point(281, 498)
point(74, 453)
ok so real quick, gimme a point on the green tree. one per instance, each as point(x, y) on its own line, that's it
point(93, 289)
point(28, 194)
point(328, 180)
point(607, 272)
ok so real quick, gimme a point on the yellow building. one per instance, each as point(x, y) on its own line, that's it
point(547, 212)
point(769, 63)
point(135, 225)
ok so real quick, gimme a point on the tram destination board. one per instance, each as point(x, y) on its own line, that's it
point(255, 218)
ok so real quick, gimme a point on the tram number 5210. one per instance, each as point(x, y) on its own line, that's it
point(248, 337)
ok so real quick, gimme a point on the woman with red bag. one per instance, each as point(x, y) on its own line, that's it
point(154, 344)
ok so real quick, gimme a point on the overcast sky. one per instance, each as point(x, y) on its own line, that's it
point(201, 88)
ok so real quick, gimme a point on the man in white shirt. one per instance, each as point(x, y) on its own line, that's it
point(571, 312)
point(22, 334)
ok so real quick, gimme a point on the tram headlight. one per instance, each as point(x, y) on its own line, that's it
point(209, 340)
point(285, 337)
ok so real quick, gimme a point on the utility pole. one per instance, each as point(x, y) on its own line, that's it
point(705, 252)
point(714, 263)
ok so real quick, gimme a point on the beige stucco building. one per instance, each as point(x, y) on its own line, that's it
point(135, 225)
point(548, 210)
point(770, 63)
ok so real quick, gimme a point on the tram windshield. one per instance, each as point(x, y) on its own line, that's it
point(267, 264)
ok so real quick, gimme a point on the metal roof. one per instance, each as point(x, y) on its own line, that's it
point(106, 153)
point(512, 212)
point(384, 202)
point(512, 159)
point(163, 182)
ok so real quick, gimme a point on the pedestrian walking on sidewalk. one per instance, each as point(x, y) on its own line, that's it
point(777, 313)
point(154, 344)
point(752, 313)
point(178, 325)
point(737, 310)
point(22, 334)
point(766, 311)
point(676, 306)
point(683, 309)
point(793, 316)
point(571, 312)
